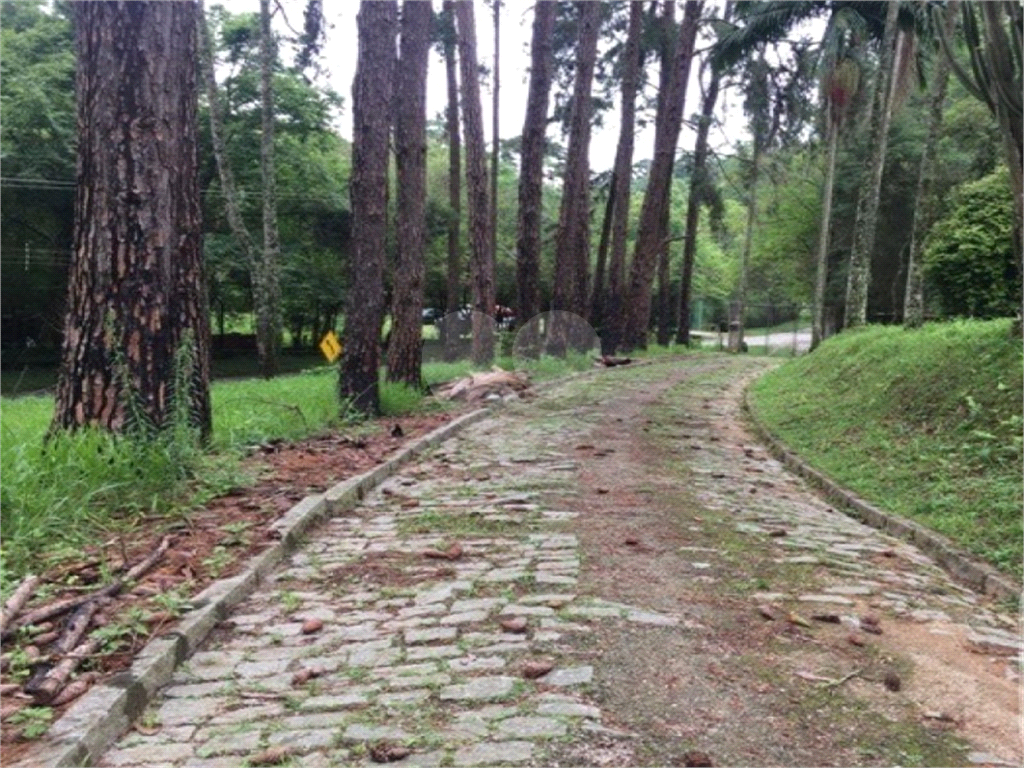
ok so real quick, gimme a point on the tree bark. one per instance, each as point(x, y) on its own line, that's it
point(371, 113)
point(698, 190)
point(924, 211)
point(866, 223)
point(650, 237)
point(531, 174)
point(136, 288)
point(496, 8)
point(454, 282)
point(664, 277)
point(572, 242)
point(597, 294)
point(266, 280)
point(748, 244)
point(821, 279)
point(481, 263)
point(632, 61)
point(405, 352)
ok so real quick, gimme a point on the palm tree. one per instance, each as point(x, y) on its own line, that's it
point(866, 224)
point(913, 303)
point(841, 85)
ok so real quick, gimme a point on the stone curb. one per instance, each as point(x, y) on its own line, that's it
point(977, 575)
point(97, 719)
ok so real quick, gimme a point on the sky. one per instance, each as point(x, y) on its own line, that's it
point(338, 60)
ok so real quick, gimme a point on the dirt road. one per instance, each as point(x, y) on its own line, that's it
point(694, 603)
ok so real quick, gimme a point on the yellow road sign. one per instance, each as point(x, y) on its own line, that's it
point(330, 346)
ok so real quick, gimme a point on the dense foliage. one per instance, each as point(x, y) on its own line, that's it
point(969, 259)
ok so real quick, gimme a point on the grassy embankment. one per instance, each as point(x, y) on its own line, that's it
point(84, 488)
point(926, 424)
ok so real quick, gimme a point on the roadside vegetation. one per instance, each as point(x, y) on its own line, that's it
point(924, 423)
point(83, 487)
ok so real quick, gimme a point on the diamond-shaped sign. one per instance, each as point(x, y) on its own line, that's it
point(330, 346)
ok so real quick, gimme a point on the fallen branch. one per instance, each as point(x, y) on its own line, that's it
point(75, 629)
point(826, 682)
point(18, 599)
point(55, 679)
point(841, 680)
point(56, 609)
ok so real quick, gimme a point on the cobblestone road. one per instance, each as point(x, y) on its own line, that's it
point(422, 621)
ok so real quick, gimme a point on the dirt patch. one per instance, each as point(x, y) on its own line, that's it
point(209, 543)
point(727, 681)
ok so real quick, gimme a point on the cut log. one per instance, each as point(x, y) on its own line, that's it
point(17, 600)
point(54, 680)
point(478, 386)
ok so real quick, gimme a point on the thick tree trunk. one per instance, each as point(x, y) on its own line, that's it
point(821, 280)
point(136, 288)
point(572, 241)
point(866, 223)
point(266, 281)
point(449, 335)
point(482, 274)
point(531, 174)
point(405, 352)
point(632, 60)
point(698, 189)
point(371, 114)
point(650, 236)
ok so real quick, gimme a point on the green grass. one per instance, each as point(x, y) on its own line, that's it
point(926, 424)
point(85, 488)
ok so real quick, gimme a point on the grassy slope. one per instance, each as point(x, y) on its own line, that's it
point(926, 424)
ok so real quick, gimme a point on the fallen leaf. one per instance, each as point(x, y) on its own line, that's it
point(534, 669)
point(828, 618)
point(697, 759)
point(73, 690)
point(309, 626)
point(795, 618)
point(632, 541)
point(410, 503)
point(301, 677)
point(454, 551)
point(385, 752)
point(397, 431)
point(854, 639)
point(602, 490)
point(513, 623)
point(435, 554)
point(272, 756)
point(777, 533)
point(766, 612)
